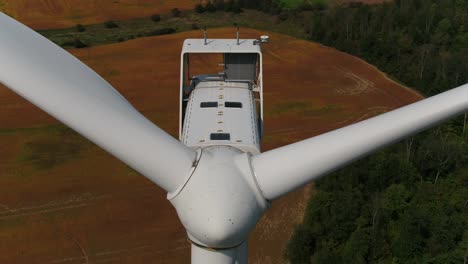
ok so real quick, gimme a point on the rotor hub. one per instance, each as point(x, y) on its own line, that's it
point(221, 202)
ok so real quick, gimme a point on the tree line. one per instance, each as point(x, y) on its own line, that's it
point(404, 204)
point(424, 44)
point(408, 203)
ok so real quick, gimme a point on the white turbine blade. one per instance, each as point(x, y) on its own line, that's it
point(284, 169)
point(64, 87)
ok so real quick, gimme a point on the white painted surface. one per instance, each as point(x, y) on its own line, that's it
point(221, 202)
point(243, 253)
point(240, 123)
point(68, 90)
point(237, 255)
point(284, 169)
point(220, 46)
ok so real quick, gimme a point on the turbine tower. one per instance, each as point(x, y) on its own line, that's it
point(219, 183)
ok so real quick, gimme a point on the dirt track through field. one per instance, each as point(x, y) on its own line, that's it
point(92, 208)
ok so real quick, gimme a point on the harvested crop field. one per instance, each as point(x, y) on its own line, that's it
point(48, 14)
point(63, 200)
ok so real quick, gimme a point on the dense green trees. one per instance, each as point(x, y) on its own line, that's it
point(407, 203)
point(235, 6)
point(390, 209)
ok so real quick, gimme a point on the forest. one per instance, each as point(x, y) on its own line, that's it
point(408, 202)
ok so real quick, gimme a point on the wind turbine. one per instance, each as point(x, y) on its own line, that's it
point(219, 188)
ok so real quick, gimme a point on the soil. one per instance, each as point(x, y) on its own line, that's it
point(49, 14)
point(87, 207)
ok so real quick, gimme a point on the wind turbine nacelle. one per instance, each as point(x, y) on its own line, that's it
point(223, 106)
point(221, 202)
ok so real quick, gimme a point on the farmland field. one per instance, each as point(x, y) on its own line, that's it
point(47, 14)
point(63, 200)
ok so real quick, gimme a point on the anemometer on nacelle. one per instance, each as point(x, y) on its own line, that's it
point(226, 104)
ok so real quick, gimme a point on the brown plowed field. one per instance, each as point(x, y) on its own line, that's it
point(48, 14)
point(62, 200)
